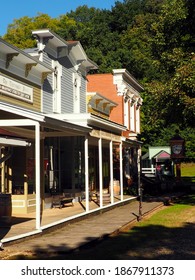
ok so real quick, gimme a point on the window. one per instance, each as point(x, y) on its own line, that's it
point(138, 119)
point(76, 92)
point(132, 117)
point(57, 87)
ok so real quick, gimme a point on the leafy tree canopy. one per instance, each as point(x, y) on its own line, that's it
point(153, 39)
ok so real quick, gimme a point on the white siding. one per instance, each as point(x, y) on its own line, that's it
point(67, 99)
point(67, 86)
point(83, 104)
point(47, 96)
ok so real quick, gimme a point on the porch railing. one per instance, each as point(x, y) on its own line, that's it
point(148, 170)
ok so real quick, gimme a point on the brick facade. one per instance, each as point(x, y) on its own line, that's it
point(103, 84)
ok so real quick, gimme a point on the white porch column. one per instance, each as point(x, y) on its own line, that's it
point(100, 172)
point(87, 173)
point(2, 174)
point(111, 173)
point(37, 175)
point(27, 122)
point(121, 169)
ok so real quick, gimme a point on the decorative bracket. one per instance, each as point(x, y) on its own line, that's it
point(29, 67)
point(97, 101)
point(9, 58)
point(105, 104)
point(121, 89)
point(44, 76)
point(139, 102)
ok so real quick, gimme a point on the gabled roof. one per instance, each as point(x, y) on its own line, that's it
point(162, 154)
point(76, 49)
point(145, 156)
point(154, 150)
point(63, 48)
point(157, 153)
point(47, 36)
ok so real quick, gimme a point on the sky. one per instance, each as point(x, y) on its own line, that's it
point(15, 9)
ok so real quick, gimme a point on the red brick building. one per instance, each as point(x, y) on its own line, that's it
point(122, 88)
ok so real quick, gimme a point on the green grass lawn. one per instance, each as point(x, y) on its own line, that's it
point(188, 169)
point(188, 172)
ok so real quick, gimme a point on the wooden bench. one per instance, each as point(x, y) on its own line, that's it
point(59, 200)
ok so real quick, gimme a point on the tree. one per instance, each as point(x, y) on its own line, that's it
point(19, 33)
point(153, 39)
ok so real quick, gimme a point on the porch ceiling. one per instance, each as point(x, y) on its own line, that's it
point(28, 132)
point(14, 119)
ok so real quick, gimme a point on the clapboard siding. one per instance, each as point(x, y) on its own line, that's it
point(67, 105)
point(66, 86)
point(47, 96)
point(47, 99)
point(83, 95)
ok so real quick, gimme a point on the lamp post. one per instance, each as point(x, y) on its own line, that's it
point(140, 186)
point(140, 203)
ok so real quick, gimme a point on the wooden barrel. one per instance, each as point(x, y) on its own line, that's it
point(116, 187)
point(5, 208)
point(105, 198)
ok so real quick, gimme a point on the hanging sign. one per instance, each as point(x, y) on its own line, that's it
point(177, 147)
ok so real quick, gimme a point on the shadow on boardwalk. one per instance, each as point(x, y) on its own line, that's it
point(156, 243)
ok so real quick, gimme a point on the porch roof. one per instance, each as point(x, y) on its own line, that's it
point(162, 155)
point(131, 142)
point(53, 127)
point(91, 120)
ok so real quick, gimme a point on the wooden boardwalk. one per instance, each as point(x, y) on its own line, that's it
point(80, 233)
point(25, 224)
